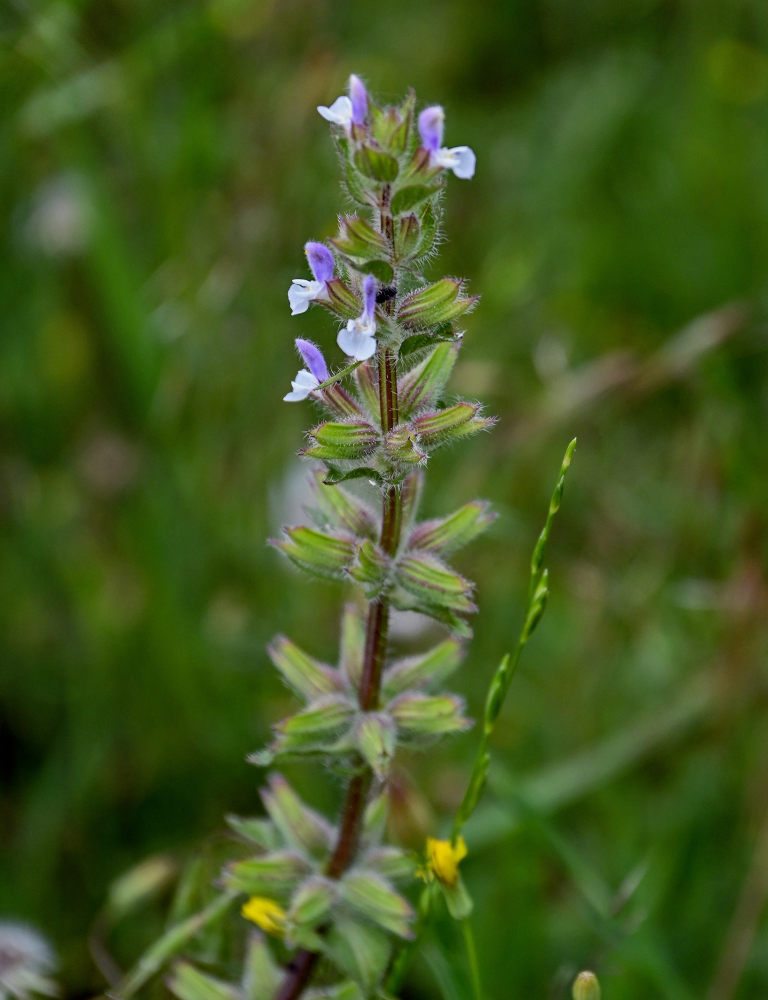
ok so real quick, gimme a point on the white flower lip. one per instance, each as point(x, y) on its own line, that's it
point(460, 159)
point(356, 342)
point(304, 383)
point(339, 113)
point(302, 292)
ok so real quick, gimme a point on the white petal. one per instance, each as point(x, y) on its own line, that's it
point(339, 113)
point(302, 292)
point(304, 383)
point(460, 159)
point(356, 344)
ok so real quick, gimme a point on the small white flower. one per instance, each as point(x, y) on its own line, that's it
point(460, 159)
point(304, 383)
point(339, 113)
point(302, 292)
point(358, 340)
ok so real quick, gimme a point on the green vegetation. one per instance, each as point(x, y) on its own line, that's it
point(163, 166)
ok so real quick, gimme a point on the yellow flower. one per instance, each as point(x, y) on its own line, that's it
point(266, 913)
point(443, 859)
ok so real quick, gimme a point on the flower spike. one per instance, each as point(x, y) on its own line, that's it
point(302, 292)
point(460, 159)
point(358, 340)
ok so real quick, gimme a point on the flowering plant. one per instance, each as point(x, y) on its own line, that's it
point(334, 901)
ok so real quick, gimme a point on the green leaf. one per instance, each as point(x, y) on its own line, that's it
point(261, 975)
point(433, 582)
point(188, 983)
point(457, 899)
point(306, 676)
point(273, 874)
point(423, 384)
point(364, 377)
point(429, 219)
point(430, 668)
point(301, 827)
point(446, 534)
point(257, 831)
point(375, 164)
point(349, 440)
point(316, 727)
point(320, 554)
point(405, 199)
point(400, 446)
point(352, 644)
point(336, 509)
point(375, 898)
point(441, 302)
point(454, 422)
point(334, 476)
point(375, 739)
point(406, 237)
point(358, 239)
point(360, 950)
point(389, 127)
point(371, 568)
point(312, 901)
point(380, 269)
point(391, 862)
point(342, 301)
point(422, 715)
point(355, 184)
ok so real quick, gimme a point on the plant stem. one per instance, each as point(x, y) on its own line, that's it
point(301, 968)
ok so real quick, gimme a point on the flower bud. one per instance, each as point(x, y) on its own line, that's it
point(586, 987)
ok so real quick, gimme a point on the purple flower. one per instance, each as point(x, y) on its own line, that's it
point(309, 378)
point(357, 339)
point(359, 98)
point(460, 159)
point(302, 292)
point(348, 111)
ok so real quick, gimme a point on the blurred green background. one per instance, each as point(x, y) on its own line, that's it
point(162, 166)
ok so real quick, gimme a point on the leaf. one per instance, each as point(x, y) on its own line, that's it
point(188, 983)
point(358, 239)
point(261, 976)
point(375, 164)
point(301, 827)
point(375, 898)
point(361, 950)
point(334, 476)
point(336, 509)
point(429, 668)
point(423, 384)
point(380, 269)
point(257, 831)
point(441, 302)
point(352, 645)
point(306, 676)
point(319, 553)
point(433, 582)
point(405, 199)
point(272, 874)
point(316, 727)
point(419, 715)
point(375, 739)
point(446, 534)
point(312, 901)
